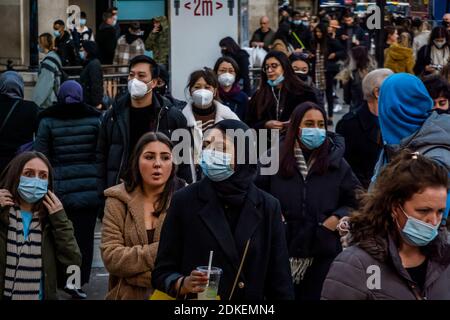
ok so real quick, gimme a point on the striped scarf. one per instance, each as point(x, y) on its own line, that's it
point(23, 260)
point(300, 265)
point(301, 162)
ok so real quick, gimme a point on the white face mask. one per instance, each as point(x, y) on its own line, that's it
point(439, 44)
point(202, 98)
point(138, 89)
point(227, 79)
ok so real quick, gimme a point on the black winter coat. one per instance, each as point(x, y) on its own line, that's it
point(66, 50)
point(196, 224)
point(289, 101)
point(363, 144)
point(106, 41)
point(238, 103)
point(113, 141)
point(91, 79)
point(19, 129)
point(353, 269)
point(305, 36)
point(423, 60)
point(305, 205)
point(67, 135)
point(331, 65)
point(361, 35)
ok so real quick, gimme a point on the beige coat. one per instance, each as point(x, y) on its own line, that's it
point(125, 250)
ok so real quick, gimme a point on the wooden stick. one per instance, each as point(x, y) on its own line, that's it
point(240, 268)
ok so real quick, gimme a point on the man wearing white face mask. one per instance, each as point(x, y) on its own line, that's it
point(203, 112)
point(140, 111)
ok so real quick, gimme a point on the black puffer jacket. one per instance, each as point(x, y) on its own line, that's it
point(114, 138)
point(306, 204)
point(354, 268)
point(67, 135)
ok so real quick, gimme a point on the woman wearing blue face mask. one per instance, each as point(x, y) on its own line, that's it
point(398, 250)
point(316, 188)
point(36, 238)
point(225, 213)
point(279, 93)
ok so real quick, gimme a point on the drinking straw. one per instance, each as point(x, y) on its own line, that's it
point(209, 265)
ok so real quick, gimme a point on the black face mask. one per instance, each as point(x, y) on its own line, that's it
point(445, 24)
point(302, 76)
point(161, 90)
point(440, 111)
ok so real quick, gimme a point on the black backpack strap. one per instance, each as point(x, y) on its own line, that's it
point(58, 71)
point(9, 115)
point(56, 62)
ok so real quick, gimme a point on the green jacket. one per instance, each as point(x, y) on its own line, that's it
point(159, 42)
point(59, 250)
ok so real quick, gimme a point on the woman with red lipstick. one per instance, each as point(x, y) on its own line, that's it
point(134, 214)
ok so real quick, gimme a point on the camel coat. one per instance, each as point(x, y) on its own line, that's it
point(126, 253)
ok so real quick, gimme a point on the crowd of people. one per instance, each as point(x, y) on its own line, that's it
point(372, 193)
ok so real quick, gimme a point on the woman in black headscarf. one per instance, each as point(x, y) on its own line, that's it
point(18, 117)
point(225, 213)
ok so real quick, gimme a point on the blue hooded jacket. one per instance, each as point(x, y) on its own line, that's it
point(406, 121)
point(403, 107)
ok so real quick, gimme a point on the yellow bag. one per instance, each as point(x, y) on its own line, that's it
point(159, 295)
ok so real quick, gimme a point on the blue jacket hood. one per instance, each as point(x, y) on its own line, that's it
point(404, 106)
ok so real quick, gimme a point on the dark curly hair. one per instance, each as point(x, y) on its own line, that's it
point(406, 175)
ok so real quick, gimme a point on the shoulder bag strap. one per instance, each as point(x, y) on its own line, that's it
point(8, 115)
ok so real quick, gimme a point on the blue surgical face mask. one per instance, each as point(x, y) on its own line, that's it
point(297, 22)
point(83, 22)
point(274, 83)
point(56, 33)
point(306, 23)
point(312, 138)
point(32, 190)
point(418, 233)
point(40, 49)
point(82, 55)
point(216, 165)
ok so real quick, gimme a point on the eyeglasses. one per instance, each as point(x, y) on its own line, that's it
point(272, 66)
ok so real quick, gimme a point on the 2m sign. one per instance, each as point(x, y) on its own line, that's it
point(203, 7)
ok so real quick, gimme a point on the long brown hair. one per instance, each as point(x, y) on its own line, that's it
point(406, 175)
point(288, 163)
point(133, 178)
point(10, 179)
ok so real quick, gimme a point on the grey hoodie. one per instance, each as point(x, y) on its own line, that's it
point(47, 86)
